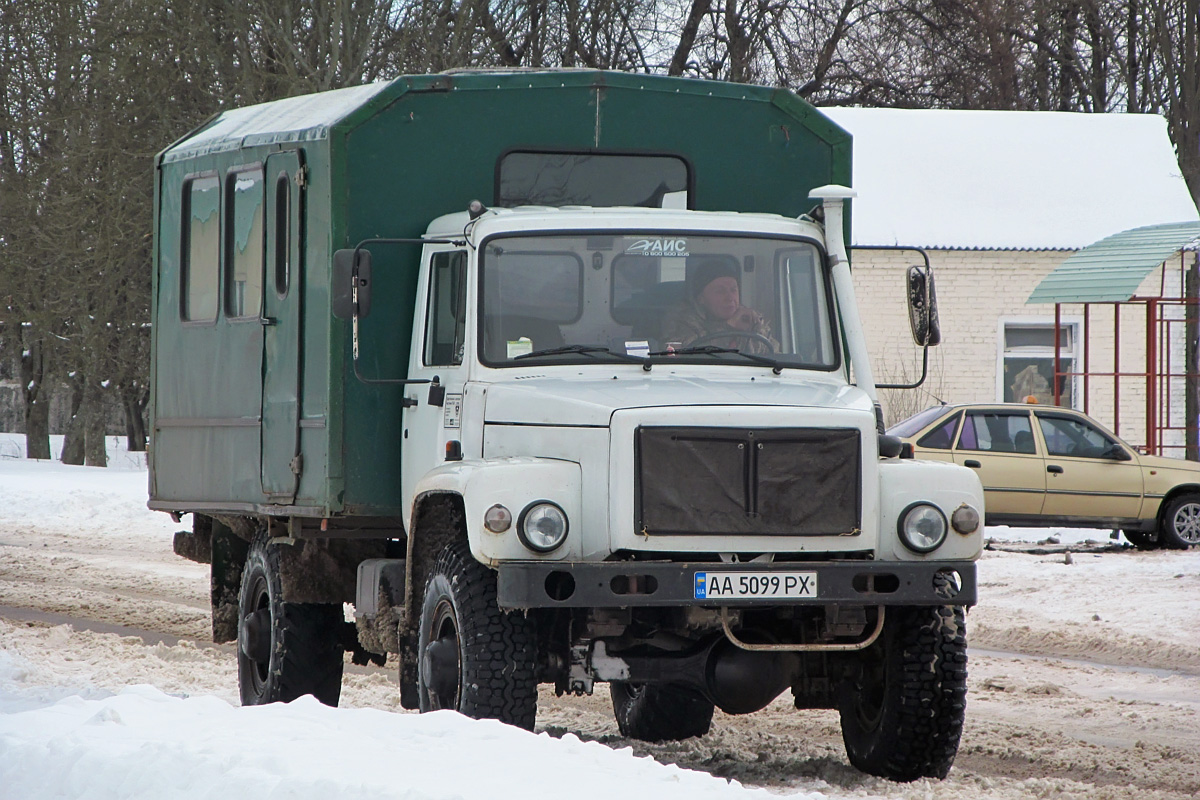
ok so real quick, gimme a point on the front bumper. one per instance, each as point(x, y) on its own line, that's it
point(624, 584)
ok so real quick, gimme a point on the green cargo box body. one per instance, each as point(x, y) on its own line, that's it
point(236, 401)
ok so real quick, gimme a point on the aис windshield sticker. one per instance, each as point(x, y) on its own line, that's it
point(657, 247)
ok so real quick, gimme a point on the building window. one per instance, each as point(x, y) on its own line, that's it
point(244, 243)
point(1027, 362)
point(200, 248)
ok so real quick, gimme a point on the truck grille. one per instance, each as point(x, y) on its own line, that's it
point(736, 481)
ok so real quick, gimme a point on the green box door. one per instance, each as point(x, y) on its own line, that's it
point(282, 292)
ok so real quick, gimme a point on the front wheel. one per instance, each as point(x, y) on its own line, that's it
point(285, 650)
point(902, 712)
point(1180, 526)
point(659, 713)
point(473, 657)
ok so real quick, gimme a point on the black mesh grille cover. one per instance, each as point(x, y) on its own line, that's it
point(779, 481)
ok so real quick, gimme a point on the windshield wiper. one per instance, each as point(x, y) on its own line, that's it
point(714, 350)
point(594, 350)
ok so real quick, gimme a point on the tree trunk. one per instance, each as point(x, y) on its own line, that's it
point(687, 37)
point(134, 400)
point(72, 452)
point(35, 393)
point(95, 452)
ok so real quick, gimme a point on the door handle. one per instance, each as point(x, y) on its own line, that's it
point(970, 462)
point(1054, 469)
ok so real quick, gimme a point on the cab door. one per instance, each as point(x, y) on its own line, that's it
point(433, 414)
point(1089, 474)
point(999, 445)
point(282, 325)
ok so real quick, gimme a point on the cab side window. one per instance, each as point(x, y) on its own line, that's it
point(445, 327)
point(997, 432)
point(1066, 436)
point(941, 437)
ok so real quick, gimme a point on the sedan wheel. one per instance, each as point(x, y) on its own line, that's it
point(1181, 523)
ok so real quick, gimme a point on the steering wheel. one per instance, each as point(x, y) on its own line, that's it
point(734, 333)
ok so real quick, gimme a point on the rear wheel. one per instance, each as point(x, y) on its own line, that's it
point(1180, 527)
point(473, 657)
point(659, 713)
point(902, 713)
point(285, 650)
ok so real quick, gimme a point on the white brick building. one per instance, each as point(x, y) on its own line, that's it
point(998, 200)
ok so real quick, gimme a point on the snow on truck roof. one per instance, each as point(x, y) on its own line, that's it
point(293, 118)
point(1019, 180)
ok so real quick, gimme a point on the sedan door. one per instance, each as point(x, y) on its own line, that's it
point(999, 445)
point(1090, 475)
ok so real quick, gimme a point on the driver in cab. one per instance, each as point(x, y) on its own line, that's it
point(714, 315)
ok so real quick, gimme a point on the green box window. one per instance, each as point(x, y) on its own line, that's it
point(201, 248)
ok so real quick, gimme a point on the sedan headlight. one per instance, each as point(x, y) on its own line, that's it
point(542, 526)
point(922, 527)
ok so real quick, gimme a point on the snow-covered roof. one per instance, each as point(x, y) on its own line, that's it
point(293, 118)
point(1028, 180)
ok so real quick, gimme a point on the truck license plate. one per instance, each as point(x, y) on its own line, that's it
point(726, 585)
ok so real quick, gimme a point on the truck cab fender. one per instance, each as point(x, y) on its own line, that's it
point(515, 484)
point(904, 482)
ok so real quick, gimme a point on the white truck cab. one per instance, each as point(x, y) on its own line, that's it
point(700, 509)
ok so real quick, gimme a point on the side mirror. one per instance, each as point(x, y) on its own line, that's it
point(344, 278)
point(891, 446)
point(922, 307)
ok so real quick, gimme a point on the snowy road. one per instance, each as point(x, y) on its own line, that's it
point(1084, 676)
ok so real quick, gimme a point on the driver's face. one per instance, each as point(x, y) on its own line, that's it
point(720, 297)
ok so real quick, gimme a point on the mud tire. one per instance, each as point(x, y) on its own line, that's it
point(902, 714)
point(298, 648)
point(1179, 528)
point(473, 657)
point(660, 713)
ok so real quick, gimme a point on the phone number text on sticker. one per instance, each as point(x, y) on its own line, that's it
point(726, 585)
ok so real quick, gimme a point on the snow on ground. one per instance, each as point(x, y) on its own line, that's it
point(99, 713)
point(68, 728)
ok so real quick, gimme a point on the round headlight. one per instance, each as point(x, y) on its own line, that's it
point(922, 527)
point(965, 519)
point(542, 526)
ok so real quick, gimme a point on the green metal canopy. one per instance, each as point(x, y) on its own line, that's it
point(1112, 269)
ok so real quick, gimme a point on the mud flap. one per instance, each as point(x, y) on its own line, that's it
point(228, 560)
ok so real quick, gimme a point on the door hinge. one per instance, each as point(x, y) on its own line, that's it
point(297, 464)
point(302, 176)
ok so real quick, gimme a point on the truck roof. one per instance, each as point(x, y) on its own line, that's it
point(566, 217)
point(311, 117)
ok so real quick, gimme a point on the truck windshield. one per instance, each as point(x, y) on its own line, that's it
point(580, 298)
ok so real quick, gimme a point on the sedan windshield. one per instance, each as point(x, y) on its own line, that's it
point(584, 298)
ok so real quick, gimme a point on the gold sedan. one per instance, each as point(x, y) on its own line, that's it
point(1044, 466)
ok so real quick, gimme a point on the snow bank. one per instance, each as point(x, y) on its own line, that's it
point(142, 743)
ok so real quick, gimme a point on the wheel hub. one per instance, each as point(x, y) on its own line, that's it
point(255, 637)
point(1187, 523)
point(441, 661)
